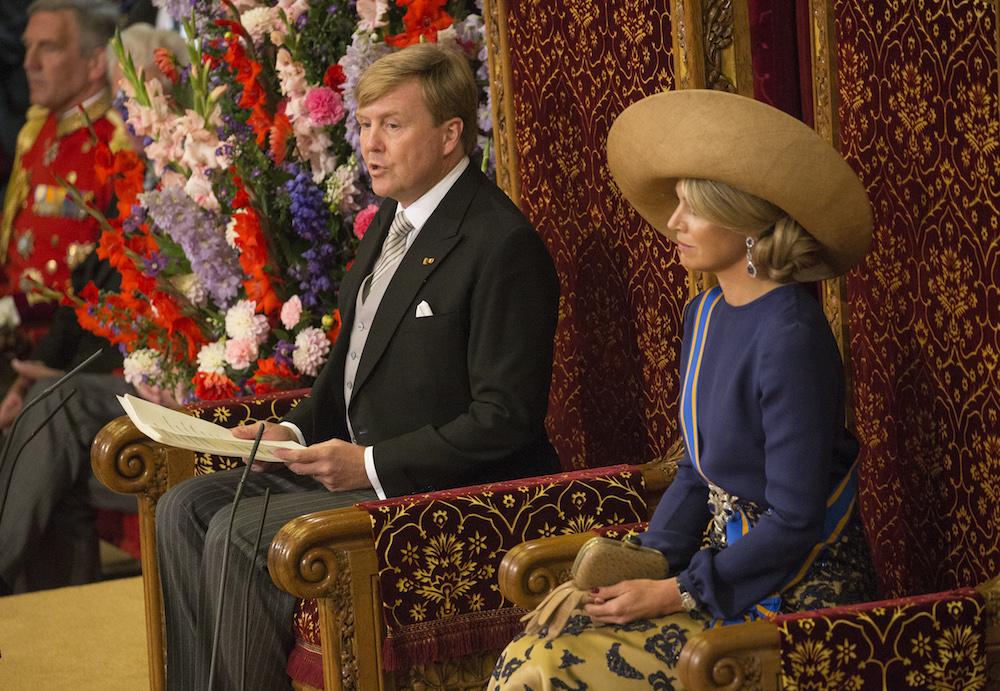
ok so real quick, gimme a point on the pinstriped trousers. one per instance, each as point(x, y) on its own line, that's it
point(191, 526)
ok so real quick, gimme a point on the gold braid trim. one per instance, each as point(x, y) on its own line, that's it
point(17, 187)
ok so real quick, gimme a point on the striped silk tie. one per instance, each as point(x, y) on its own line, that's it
point(392, 249)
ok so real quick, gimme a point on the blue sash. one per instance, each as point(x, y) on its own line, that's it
point(838, 507)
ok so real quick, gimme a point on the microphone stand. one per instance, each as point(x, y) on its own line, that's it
point(246, 592)
point(225, 560)
point(17, 418)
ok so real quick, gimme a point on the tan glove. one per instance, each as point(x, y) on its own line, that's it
point(600, 562)
point(554, 611)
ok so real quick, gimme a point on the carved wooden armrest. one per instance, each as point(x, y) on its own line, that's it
point(745, 656)
point(307, 555)
point(128, 462)
point(330, 556)
point(532, 569)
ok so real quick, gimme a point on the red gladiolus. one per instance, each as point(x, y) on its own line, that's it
point(209, 386)
point(166, 63)
point(423, 18)
point(334, 78)
point(272, 376)
point(280, 131)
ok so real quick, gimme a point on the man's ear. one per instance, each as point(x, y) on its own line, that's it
point(97, 69)
point(452, 134)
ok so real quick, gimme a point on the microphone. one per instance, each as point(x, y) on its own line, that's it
point(225, 560)
point(31, 404)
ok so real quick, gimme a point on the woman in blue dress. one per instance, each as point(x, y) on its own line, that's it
point(761, 517)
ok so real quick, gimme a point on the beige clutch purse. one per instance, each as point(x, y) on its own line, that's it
point(600, 562)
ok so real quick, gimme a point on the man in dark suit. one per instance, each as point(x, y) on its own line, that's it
point(439, 377)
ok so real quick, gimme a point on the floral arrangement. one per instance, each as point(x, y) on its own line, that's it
point(231, 264)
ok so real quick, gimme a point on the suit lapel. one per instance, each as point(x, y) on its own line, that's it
point(434, 242)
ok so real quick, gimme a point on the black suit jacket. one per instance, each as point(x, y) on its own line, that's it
point(460, 397)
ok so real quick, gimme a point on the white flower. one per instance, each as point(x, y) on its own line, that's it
point(242, 321)
point(212, 357)
point(141, 366)
point(191, 287)
point(260, 22)
point(231, 230)
point(312, 345)
point(341, 187)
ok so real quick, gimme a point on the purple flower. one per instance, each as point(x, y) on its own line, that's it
point(204, 243)
point(311, 222)
point(283, 352)
point(154, 263)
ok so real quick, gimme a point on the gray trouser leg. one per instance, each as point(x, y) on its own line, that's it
point(192, 521)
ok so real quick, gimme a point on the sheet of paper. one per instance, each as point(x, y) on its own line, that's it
point(175, 428)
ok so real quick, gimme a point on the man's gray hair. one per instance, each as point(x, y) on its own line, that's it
point(96, 19)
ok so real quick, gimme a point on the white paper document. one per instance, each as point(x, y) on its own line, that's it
point(174, 428)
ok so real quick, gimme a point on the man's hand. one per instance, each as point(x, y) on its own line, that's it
point(628, 601)
point(337, 464)
point(273, 432)
point(34, 370)
point(28, 372)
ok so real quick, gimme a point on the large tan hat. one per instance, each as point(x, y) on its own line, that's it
point(713, 135)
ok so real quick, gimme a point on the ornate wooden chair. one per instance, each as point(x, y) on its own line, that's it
point(402, 594)
point(941, 640)
point(385, 585)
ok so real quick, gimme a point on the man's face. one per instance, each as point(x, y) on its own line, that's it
point(59, 77)
point(406, 153)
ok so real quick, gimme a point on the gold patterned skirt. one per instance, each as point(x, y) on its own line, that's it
point(590, 656)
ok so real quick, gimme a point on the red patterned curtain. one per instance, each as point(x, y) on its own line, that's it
point(919, 122)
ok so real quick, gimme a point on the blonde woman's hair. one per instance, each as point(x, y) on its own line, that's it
point(446, 81)
point(782, 247)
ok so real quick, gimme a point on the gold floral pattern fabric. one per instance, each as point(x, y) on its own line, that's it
point(574, 67)
point(929, 642)
point(234, 412)
point(918, 86)
point(439, 554)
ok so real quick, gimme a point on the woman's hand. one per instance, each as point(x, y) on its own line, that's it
point(628, 601)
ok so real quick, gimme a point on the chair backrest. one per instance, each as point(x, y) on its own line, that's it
point(614, 386)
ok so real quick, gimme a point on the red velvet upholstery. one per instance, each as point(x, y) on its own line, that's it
point(918, 122)
point(928, 642)
point(439, 554)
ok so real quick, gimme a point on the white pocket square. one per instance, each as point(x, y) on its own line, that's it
point(424, 310)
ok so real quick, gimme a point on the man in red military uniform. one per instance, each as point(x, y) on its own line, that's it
point(43, 234)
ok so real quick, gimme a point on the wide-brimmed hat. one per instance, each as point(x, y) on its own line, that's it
point(713, 135)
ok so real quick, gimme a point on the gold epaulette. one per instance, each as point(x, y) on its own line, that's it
point(17, 187)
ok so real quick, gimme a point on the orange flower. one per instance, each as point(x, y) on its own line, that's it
point(423, 18)
point(209, 386)
point(280, 131)
point(272, 376)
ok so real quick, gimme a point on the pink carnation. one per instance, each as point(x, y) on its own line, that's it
point(240, 352)
point(291, 312)
point(325, 106)
point(312, 345)
point(364, 219)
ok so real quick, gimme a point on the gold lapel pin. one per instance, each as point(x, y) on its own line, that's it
point(428, 260)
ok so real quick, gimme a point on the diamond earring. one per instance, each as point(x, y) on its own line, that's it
point(751, 269)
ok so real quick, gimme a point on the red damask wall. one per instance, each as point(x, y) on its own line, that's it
point(919, 122)
point(574, 67)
